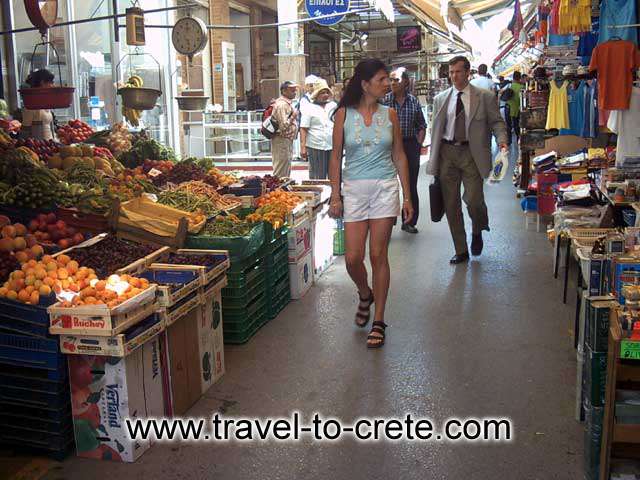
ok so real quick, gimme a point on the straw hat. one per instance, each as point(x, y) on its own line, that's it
point(319, 86)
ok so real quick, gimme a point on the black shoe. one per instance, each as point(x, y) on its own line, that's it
point(456, 259)
point(409, 228)
point(476, 244)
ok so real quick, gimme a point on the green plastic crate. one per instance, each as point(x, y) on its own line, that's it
point(239, 248)
point(245, 277)
point(237, 319)
point(280, 299)
point(237, 338)
point(272, 235)
point(241, 297)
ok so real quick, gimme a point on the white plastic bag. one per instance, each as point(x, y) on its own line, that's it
point(500, 167)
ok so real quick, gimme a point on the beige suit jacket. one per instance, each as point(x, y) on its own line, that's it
point(485, 118)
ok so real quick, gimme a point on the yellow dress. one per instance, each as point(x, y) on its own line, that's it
point(574, 16)
point(558, 115)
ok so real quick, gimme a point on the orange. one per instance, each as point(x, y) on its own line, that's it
point(101, 285)
point(12, 295)
point(63, 260)
point(63, 274)
point(51, 265)
point(72, 267)
point(41, 273)
point(35, 298)
point(24, 296)
point(17, 274)
point(44, 290)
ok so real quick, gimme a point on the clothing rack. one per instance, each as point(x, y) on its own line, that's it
point(624, 26)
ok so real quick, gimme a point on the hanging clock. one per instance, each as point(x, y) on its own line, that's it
point(42, 13)
point(189, 36)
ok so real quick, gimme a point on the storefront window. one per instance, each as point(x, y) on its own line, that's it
point(94, 81)
point(44, 57)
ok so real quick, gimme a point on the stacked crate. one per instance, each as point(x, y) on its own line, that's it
point(244, 299)
point(35, 402)
point(277, 287)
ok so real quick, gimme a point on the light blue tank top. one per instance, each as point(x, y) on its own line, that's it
point(368, 150)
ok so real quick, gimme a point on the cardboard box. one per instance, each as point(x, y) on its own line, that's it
point(299, 238)
point(322, 244)
point(184, 363)
point(624, 271)
point(301, 276)
point(594, 379)
point(211, 340)
point(107, 390)
point(597, 328)
point(599, 275)
point(100, 320)
point(120, 345)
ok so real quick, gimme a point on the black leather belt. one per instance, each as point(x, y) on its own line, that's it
point(454, 143)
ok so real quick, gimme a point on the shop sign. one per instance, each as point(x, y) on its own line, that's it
point(629, 350)
point(409, 38)
point(318, 8)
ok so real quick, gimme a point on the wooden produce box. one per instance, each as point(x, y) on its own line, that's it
point(100, 320)
point(133, 268)
point(206, 274)
point(183, 307)
point(173, 283)
point(119, 345)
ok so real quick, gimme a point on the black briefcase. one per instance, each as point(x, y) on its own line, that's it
point(436, 201)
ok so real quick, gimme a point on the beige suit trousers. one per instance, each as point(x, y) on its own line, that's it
point(457, 168)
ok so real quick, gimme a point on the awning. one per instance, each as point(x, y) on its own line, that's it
point(430, 18)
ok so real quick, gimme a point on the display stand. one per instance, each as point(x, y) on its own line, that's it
point(621, 441)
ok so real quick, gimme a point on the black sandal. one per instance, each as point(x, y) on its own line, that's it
point(364, 310)
point(377, 327)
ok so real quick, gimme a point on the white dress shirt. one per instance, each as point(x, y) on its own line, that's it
point(484, 82)
point(449, 131)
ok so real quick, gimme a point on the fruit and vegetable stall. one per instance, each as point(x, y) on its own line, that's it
point(118, 258)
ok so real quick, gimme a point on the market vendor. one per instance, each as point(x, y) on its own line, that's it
point(38, 124)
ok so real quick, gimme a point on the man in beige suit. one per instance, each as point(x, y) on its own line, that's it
point(464, 117)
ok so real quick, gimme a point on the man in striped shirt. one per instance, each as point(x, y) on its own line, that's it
point(413, 128)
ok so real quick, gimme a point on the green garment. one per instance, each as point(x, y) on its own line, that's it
point(514, 103)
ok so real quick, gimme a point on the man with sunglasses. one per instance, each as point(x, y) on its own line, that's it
point(413, 128)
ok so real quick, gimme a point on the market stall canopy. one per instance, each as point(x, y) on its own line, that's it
point(430, 17)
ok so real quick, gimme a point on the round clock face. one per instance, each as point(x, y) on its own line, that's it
point(189, 35)
point(42, 13)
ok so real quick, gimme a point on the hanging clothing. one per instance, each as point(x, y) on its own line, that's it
point(618, 12)
point(589, 41)
point(575, 103)
point(615, 62)
point(554, 18)
point(560, 40)
point(591, 115)
point(558, 114)
point(574, 16)
point(542, 23)
point(626, 124)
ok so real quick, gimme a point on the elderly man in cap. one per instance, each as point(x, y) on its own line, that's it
point(286, 118)
point(316, 130)
point(413, 127)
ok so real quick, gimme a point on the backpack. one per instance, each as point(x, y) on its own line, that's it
point(507, 95)
point(269, 126)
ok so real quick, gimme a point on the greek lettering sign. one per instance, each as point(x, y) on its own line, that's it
point(318, 8)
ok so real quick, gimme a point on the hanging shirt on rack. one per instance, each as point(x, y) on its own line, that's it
point(590, 126)
point(626, 124)
point(542, 23)
point(589, 41)
point(558, 114)
point(554, 18)
point(615, 62)
point(618, 12)
point(575, 103)
point(574, 16)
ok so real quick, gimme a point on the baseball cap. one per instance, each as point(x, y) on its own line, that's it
point(311, 79)
point(287, 84)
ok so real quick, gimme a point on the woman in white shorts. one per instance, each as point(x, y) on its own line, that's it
point(366, 195)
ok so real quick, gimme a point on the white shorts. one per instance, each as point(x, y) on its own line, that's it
point(370, 199)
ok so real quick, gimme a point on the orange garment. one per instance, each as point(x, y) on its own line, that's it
point(615, 62)
point(574, 16)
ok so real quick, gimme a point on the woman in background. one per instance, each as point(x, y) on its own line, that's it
point(38, 123)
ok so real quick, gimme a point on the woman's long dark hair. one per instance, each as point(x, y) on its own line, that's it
point(365, 70)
